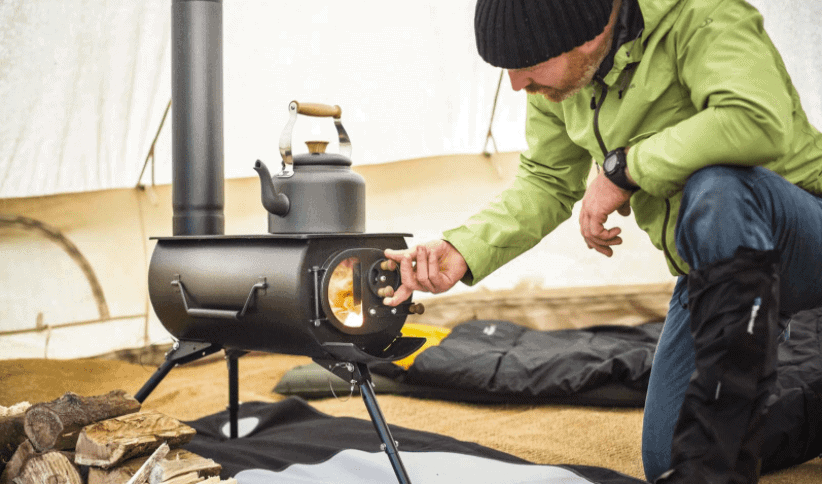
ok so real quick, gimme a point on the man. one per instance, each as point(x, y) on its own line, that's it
point(688, 109)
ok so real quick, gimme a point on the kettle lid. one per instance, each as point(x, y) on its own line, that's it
point(316, 159)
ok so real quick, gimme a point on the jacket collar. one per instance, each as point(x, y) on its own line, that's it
point(629, 27)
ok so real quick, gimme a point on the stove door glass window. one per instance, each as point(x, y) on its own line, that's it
point(344, 293)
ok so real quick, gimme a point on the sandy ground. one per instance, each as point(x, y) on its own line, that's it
point(552, 434)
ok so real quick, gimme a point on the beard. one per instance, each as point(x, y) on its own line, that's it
point(580, 72)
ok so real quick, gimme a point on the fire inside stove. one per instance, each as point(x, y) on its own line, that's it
point(343, 293)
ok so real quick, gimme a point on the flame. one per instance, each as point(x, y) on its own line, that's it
point(341, 294)
point(353, 320)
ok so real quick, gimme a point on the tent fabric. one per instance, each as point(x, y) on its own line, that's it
point(85, 84)
point(292, 443)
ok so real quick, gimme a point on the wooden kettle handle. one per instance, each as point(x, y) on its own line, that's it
point(319, 110)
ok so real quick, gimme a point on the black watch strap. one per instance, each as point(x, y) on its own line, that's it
point(614, 167)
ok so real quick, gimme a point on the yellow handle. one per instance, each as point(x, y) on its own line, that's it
point(319, 110)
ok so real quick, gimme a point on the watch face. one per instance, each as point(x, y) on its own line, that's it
point(610, 164)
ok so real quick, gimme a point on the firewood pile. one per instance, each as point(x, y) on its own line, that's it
point(103, 439)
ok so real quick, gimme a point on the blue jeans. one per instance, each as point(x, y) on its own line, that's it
point(724, 208)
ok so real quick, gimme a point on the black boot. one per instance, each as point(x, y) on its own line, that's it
point(734, 306)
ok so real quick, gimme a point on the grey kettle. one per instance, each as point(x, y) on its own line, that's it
point(315, 192)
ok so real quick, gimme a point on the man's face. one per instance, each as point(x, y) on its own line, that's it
point(560, 77)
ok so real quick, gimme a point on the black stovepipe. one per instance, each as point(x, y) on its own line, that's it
point(197, 117)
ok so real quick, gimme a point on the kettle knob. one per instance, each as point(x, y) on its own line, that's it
point(316, 147)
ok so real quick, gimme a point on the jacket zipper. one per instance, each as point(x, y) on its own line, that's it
point(596, 105)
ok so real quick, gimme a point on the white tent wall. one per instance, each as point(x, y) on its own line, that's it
point(83, 86)
point(84, 83)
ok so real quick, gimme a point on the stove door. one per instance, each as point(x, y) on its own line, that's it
point(349, 292)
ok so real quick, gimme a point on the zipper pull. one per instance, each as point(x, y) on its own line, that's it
point(754, 311)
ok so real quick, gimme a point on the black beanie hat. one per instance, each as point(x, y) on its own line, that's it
point(522, 33)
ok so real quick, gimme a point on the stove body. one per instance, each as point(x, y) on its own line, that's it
point(277, 293)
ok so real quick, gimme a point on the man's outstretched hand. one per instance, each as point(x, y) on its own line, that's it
point(433, 267)
point(601, 199)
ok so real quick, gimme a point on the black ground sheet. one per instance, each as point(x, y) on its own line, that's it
point(292, 443)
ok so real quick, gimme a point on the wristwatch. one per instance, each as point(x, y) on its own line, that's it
point(614, 168)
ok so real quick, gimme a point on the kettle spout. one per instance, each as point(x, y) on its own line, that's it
point(275, 203)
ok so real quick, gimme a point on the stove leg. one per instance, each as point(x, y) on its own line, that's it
point(231, 357)
point(181, 353)
point(363, 379)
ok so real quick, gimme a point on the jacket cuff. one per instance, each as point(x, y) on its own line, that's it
point(475, 252)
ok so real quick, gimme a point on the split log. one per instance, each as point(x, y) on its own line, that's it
point(190, 478)
point(53, 467)
point(11, 436)
point(110, 442)
point(17, 461)
point(178, 462)
point(12, 433)
point(193, 479)
point(56, 424)
point(149, 467)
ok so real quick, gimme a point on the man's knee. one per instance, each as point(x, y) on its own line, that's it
point(719, 212)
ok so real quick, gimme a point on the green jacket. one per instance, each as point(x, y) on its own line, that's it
point(701, 85)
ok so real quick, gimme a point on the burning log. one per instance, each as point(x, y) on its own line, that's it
point(110, 442)
point(177, 463)
point(57, 424)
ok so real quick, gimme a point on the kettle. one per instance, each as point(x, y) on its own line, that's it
point(316, 192)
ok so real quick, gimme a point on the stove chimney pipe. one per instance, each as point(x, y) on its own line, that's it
point(197, 118)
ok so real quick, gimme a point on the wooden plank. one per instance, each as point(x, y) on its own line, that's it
point(57, 424)
point(110, 442)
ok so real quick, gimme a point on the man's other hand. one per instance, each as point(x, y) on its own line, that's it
point(601, 199)
point(433, 267)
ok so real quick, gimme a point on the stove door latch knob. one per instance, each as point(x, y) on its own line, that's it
point(416, 308)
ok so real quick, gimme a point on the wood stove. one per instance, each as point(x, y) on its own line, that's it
point(316, 292)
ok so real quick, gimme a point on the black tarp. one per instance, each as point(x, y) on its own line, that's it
point(290, 442)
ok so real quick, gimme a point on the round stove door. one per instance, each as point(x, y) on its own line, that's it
point(350, 290)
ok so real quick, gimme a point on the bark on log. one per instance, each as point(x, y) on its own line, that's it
point(12, 435)
point(56, 424)
point(52, 467)
point(110, 442)
point(176, 463)
point(17, 461)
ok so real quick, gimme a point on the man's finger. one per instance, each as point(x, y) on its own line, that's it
point(603, 242)
point(606, 251)
point(407, 273)
point(422, 269)
point(403, 292)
